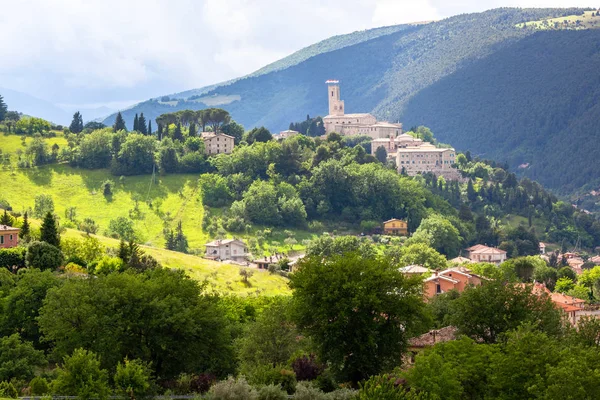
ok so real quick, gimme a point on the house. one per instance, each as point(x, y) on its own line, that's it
point(226, 249)
point(450, 279)
point(460, 260)
point(265, 262)
point(217, 143)
point(9, 236)
point(395, 226)
point(424, 158)
point(542, 248)
point(572, 307)
point(285, 134)
point(482, 253)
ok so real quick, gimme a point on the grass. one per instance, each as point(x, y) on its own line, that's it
point(575, 22)
point(11, 143)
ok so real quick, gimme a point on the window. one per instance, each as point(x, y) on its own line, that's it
point(1, 239)
point(11, 238)
point(438, 288)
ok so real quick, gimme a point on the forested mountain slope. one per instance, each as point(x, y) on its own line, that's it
point(478, 80)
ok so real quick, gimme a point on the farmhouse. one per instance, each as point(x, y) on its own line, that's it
point(395, 226)
point(226, 249)
point(450, 279)
point(482, 253)
point(9, 236)
point(217, 143)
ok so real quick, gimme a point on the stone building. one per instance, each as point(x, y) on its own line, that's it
point(217, 143)
point(354, 124)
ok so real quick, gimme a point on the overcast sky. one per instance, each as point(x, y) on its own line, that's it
point(115, 52)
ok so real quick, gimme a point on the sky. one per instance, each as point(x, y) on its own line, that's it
point(113, 53)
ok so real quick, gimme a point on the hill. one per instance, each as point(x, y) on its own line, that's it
point(416, 73)
point(30, 105)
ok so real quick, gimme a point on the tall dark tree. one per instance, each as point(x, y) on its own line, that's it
point(177, 134)
point(77, 123)
point(3, 109)
point(25, 228)
point(159, 132)
point(192, 131)
point(136, 123)
point(471, 193)
point(49, 230)
point(181, 243)
point(142, 128)
point(381, 154)
point(123, 252)
point(6, 219)
point(149, 127)
point(119, 123)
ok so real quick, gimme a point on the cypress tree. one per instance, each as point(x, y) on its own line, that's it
point(25, 229)
point(77, 123)
point(3, 108)
point(471, 193)
point(177, 135)
point(49, 231)
point(159, 132)
point(149, 127)
point(6, 219)
point(192, 131)
point(142, 124)
point(119, 123)
point(123, 253)
point(136, 123)
point(181, 243)
point(170, 240)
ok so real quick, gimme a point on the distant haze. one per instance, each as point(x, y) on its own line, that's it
point(99, 56)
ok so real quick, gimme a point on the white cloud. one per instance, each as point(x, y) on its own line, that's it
point(392, 12)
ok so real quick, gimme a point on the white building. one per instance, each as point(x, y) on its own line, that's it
point(226, 249)
point(482, 253)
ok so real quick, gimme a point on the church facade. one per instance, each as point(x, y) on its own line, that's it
point(354, 124)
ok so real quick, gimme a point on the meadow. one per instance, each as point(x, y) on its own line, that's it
point(589, 20)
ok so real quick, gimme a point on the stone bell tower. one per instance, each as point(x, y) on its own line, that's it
point(336, 106)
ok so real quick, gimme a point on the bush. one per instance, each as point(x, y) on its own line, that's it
point(7, 389)
point(14, 257)
point(380, 387)
point(271, 392)
point(233, 389)
point(202, 383)
point(307, 368)
point(306, 391)
point(342, 394)
point(107, 187)
point(39, 386)
point(133, 379)
point(287, 380)
point(44, 256)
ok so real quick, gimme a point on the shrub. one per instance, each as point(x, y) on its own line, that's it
point(233, 389)
point(202, 383)
point(44, 256)
point(287, 380)
point(107, 187)
point(7, 389)
point(380, 387)
point(133, 379)
point(39, 386)
point(88, 226)
point(342, 394)
point(14, 257)
point(307, 368)
point(271, 392)
point(306, 391)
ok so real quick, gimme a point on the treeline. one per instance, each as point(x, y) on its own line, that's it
point(310, 127)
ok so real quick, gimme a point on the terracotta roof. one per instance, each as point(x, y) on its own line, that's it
point(542, 244)
point(560, 298)
point(8, 228)
point(461, 260)
point(446, 278)
point(595, 259)
point(462, 271)
point(477, 247)
point(488, 250)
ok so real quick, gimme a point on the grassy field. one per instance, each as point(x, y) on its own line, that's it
point(9, 144)
point(585, 21)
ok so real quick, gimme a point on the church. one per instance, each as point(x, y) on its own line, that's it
point(354, 124)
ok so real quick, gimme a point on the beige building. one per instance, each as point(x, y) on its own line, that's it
point(482, 253)
point(354, 124)
point(218, 143)
point(427, 158)
point(226, 249)
point(285, 134)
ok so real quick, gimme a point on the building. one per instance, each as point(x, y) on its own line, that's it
point(424, 158)
point(9, 236)
point(354, 124)
point(429, 339)
point(542, 248)
point(460, 260)
point(482, 253)
point(414, 270)
point(572, 307)
point(285, 134)
point(217, 143)
point(226, 249)
point(595, 260)
point(450, 279)
point(395, 226)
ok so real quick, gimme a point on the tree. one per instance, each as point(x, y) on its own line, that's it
point(439, 233)
point(44, 256)
point(261, 134)
point(142, 128)
point(136, 123)
point(6, 219)
point(3, 109)
point(235, 130)
point(49, 230)
point(149, 127)
point(136, 155)
point(416, 254)
point(12, 117)
point(77, 123)
point(471, 193)
point(485, 312)
point(37, 151)
point(81, 375)
point(121, 228)
point(93, 126)
point(215, 117)
point(169, 321)
point(96, 150)
point(19, 359)
point(381, 154)
point(119, 124)
point(192, 130)
point(25, 228)
point(371, 299)
point(178, 134)
point(133, 379)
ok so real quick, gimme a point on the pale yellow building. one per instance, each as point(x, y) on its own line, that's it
point(427, 158)
point(218, 143)
point(354, 124)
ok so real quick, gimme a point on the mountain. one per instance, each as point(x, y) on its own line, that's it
point(30, 105)
point(494, 83)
